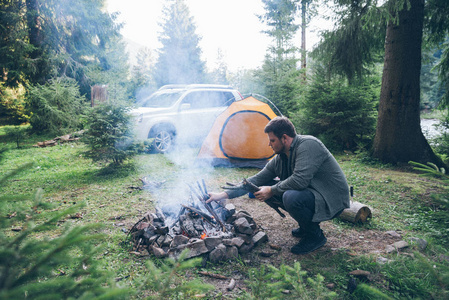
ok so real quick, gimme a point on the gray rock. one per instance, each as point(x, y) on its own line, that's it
point(422, 244)
point(260, 237)
point(242, 225)
point(401, 245)
point(390, 248)
point(393, 233)
point(179, 240)
point(237, 241)
point(158, 252)
point(244, 214)
point(167, 241)
point(248, 238)
point(396, 246)
point(232, 252)
point(231, 208)
point(197, 247)
point(245, 248)
point(212, 242)
point(382, 260)
point(218, 254)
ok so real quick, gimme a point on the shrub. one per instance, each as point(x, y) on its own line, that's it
point(109, 134)
point(168, 281)
point(16, 133)
point(270, 282)
point(442, 141)
point(12, 106)
point(344, 117)
point(33, 266)
point(55, 107)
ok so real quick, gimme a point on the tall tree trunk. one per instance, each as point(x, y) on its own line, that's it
point(303, 37)
point(303, 33)
point(35, 36)
point(398, 135)
point(33, 22)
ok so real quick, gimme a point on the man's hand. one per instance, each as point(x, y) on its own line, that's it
point(264, 193)
point(217, 197)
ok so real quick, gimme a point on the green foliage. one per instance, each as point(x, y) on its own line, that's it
point(424, 280)
point(431, 88)
point(279, 17)
point(281, 84)
point(344, 117)
point(364, 291)
point(179, 59)
point(271, 282)
point(431, 169)
point(17, 133)
point(55, 107)
point(36, 264)
point(12, 106)
point(14, 45)
point(355, 44)
point(245, 82)
point(434, 219)
point(47, 38)
point(436, 28)
point(142, 77)
point(279, 74)
point(109, 133)
point(167, 281)
point(441, 142)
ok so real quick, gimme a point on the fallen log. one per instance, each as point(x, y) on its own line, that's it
point(213, 275)
point(356, 213)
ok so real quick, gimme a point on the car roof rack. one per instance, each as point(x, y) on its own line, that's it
point(173, 86)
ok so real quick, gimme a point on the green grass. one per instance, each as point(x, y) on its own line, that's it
point(400, 198)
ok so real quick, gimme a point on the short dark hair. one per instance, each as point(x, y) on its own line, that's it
point(280, 126)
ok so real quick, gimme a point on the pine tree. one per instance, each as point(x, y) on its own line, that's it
point(179, 58)
point(398, 25)
point(42, 39)
point(279, 72)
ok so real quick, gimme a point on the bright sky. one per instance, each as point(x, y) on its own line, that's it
point(230, 26)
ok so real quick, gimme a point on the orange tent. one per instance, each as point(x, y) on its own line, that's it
point(237, 138)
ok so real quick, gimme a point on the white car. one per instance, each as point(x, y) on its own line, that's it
point(181, 113)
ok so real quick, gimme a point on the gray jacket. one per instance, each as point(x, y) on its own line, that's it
point(309, 166)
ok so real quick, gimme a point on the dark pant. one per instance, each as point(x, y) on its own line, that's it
point(301, 206)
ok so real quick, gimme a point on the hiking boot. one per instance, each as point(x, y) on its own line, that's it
point(309, 244)
point(298, 232)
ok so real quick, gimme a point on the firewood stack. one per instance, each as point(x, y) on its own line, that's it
point(218, 232)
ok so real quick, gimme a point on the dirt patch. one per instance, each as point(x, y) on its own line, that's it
point(355, 241)
point(278, 229)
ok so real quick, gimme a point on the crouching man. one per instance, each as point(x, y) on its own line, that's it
point(303, 178)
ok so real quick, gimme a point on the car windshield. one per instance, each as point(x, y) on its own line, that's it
point(165, 99)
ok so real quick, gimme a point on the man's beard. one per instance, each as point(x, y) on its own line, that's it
point(282, 149)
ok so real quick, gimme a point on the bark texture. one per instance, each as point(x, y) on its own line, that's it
point(399, 137)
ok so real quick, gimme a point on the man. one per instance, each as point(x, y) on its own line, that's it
point(310, 184)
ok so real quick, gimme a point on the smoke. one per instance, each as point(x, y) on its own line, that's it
point(178, 170)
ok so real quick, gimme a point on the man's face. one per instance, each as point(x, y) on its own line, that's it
point(277, 144)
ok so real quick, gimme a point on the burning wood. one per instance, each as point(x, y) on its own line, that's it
point(208, 218)
point(203, 197)
point(207, 228)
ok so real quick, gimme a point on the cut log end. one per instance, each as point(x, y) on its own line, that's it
point(356, 213)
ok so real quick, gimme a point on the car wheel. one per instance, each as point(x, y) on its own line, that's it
point(163, 141)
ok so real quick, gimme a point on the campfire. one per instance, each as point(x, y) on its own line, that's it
point(211, 229)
